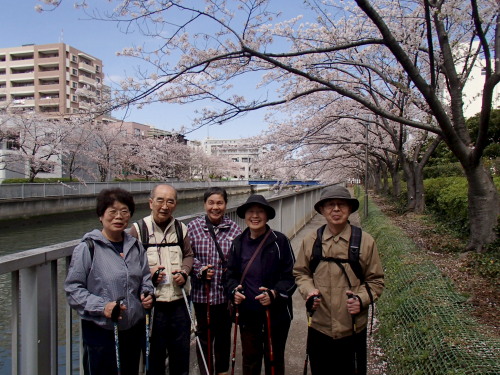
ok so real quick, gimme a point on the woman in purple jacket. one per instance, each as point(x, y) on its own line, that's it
point(260, 283)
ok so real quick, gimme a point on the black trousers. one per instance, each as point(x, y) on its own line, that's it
point(254, 344)
point(336, 357)
point(171, 333)
point(99, 356)
point(220, 336)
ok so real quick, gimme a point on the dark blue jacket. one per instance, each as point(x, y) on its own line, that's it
point(277, 260)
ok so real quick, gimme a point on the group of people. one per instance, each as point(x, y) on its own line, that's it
point(132, 288)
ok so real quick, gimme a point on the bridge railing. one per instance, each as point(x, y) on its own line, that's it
point(43, 327)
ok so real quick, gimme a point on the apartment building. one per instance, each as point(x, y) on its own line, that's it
point(240, 151)
point(55, 79)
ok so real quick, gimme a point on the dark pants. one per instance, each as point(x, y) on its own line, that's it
point(330, 356)
point(254, 344)
point(99, 356)
point(170, 333)
point(220, 335)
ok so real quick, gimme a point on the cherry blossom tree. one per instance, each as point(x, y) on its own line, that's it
point(365, 51)
point(37, 143)
point(77, 145)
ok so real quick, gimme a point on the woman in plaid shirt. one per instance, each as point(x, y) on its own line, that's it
point(208, 269)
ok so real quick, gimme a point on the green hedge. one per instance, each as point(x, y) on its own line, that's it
point(446, 197)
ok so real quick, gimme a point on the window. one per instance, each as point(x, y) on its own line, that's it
point(12, 143)
point(74, 72)
point(74, 58)
point(74, 84)
point(74, 98)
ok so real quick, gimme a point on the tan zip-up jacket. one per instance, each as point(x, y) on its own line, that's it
point(171, 257)
point(332, 318)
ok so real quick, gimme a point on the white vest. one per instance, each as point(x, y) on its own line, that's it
point(169, 257)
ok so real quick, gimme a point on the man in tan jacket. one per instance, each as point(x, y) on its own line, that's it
point(337, 299)
point(170, 259)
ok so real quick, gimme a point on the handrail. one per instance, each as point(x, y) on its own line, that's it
point(63, 189)
point(36, 286)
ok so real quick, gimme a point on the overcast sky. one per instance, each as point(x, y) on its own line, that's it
point(21, 24)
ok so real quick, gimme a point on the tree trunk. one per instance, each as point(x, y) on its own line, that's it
point(484, 207)
point(396, 183)
point(419, 190)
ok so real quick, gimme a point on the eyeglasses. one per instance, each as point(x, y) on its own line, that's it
point(161, 202)
point(114, 213)
point(342, 205)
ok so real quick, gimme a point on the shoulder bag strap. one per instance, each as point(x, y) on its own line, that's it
point(219, 250)
point(257, 251)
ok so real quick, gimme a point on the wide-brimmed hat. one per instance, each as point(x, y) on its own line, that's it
point(336, 192)
point(256, 199)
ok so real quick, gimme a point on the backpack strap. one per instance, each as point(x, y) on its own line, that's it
point(180, 235)
point(317, 252)
point(353, 257)
point(144, 235)
point(354, 252)
point(90, 245)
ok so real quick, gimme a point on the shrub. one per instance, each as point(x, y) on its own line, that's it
point(444, 170)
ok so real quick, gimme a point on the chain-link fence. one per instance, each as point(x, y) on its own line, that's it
point(425, 324)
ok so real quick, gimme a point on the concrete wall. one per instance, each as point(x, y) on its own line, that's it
point(30, 207)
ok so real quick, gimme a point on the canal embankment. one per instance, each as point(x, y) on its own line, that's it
point(23, 207)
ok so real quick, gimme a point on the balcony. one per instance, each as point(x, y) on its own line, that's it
point(87, 80)
point(48, 102)
point(84, 105)
point(18, 103)
point(86, 67)
point(50, 87)
point(22, 76)
point(48, 59)
point(24, 90)
point(30, 63)
point(54, 74)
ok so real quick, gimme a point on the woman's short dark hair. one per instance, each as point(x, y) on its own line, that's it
point(215, 190)
point(108, 197)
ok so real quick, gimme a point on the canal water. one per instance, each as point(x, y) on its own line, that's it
point(18, 235)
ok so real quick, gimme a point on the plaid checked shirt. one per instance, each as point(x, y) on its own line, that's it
point(205, 253)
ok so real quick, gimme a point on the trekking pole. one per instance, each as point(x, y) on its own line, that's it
point(209, 341)
point(233, 357)
point(309, 313)
point(148, 314)
point(115, 314)
point(236, 321)
point(269, 340)
point(353, 317)
point(192, 324)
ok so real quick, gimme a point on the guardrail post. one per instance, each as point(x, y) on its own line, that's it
point(69, 332)
point(36, 330)
point(14, 322)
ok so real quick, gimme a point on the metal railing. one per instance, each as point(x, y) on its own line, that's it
point(38, 304)
point(62, 189)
